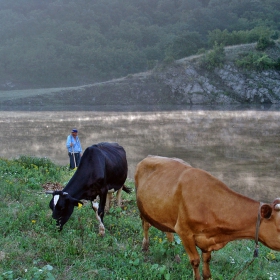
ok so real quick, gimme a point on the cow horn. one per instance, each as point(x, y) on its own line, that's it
point(277, 207)
point(49, 192)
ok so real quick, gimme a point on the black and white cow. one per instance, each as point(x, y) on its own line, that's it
point(103, 167)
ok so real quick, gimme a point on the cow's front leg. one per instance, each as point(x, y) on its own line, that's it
point(190, 247)
point(95, 207)
point(206, 262)
point(101, 211)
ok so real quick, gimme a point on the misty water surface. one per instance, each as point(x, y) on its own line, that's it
point(239, 147)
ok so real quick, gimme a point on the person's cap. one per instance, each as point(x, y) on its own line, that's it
point(74, 130)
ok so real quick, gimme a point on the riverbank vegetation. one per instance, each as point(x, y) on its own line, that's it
point(263, 56)
point(70, 43)
point(32, 248)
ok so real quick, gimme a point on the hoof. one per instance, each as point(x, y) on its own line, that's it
point(101, 230)
point(145, 246)
point(177, 259)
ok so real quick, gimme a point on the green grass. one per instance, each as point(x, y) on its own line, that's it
point(32, 248)
point(17, 94)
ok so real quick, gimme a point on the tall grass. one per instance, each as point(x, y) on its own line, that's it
point(17, 94)
point(32, 248)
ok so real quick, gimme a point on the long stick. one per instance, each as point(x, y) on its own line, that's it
point(74, 157)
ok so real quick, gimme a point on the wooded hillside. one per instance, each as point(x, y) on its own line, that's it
point(69, 43)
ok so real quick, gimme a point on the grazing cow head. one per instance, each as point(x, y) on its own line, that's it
point(62, 205)
point(270, 225)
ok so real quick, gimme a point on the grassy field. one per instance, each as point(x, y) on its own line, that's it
point(32, 248)
point(16, 94)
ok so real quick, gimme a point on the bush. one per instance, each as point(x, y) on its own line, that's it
point(214, 58)
point(256, 61)
point(241, 37)
point(277, 64)
point(30, 162)
point(184, 45)
point(31, 172)
point(264, 43)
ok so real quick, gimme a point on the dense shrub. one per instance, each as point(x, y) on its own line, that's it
point(30, 162)
point(263, 43)
point(227, 38)
point(213, 58)
point(255, 61)
point(184, 45)
point(31, 172)
point(277, 64)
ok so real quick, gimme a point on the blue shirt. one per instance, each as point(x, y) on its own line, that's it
point(77, 148)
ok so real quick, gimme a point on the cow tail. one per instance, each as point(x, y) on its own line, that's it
point(126, 189)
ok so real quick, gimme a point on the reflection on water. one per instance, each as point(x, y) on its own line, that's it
point(239, 147)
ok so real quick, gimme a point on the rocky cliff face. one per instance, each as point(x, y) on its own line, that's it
point(226, 85)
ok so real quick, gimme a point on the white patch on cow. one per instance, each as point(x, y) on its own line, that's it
point(55, 199)
point(101, 226)
point(95, 205)
point(277, 207)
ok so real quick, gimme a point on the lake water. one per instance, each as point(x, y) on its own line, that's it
point(240, 147)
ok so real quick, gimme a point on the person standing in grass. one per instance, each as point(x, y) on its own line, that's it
point(74, 148)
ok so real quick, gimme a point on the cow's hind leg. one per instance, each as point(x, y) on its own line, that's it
point(101, 225)
point(170, 236)
point(108, 200)
point(145, 242)
point(206, 257)
point(119, 193)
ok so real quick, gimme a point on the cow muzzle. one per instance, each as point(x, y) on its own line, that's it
point(59, 224)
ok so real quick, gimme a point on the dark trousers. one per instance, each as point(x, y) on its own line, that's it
point(72, 161)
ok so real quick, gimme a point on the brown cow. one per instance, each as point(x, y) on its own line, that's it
point(177, 198)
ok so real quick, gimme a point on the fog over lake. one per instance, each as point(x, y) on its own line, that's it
point(240, 147)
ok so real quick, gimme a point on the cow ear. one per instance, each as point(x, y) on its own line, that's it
point(77, 202)
point(266, 211)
